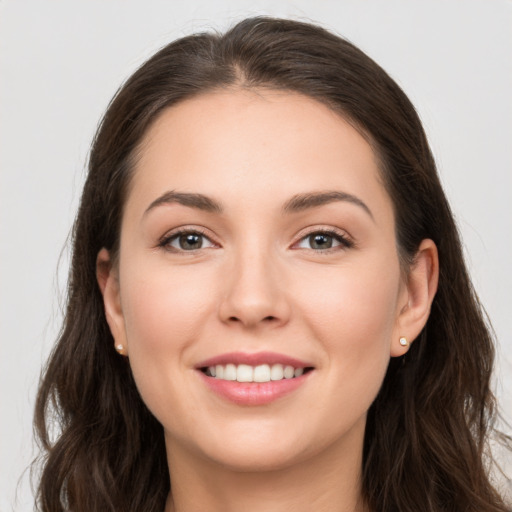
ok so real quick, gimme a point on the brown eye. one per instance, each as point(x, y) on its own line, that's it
point(186, 241)
point(324, 240)
point(190, 241)
point(320, 241)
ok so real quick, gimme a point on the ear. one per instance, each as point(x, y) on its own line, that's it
point(108, 281)
point(416, 299)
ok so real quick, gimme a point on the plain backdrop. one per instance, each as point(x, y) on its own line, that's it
point(61, 62)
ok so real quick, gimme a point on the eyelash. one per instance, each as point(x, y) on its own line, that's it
point(165, 241)
point(344, 241)
point(339, 236)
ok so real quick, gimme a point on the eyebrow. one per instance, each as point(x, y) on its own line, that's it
point(191, 200)
point(297, 203)
point(301, 202)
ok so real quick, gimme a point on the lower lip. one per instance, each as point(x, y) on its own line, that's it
point(253, 393)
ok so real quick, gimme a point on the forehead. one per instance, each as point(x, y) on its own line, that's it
point(244, 144)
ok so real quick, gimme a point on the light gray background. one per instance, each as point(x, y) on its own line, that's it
point(60, 63)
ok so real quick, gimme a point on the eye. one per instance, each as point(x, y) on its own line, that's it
point(324, 240)
point(186, 240)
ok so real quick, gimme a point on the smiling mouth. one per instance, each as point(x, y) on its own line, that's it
point(259, 373)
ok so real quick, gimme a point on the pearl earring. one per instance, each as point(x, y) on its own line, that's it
point(119, 348)
point(403, 341)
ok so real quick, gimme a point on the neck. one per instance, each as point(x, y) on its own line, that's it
point(328, 482)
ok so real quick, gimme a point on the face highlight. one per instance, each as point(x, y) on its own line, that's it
point(259, 292)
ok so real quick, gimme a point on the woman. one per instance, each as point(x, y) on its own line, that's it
point(268, 305)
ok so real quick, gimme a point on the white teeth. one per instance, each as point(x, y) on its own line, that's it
point(288, 372)
point(262, 373)
point(247, 373)
point(230, 372)
point(244, 373)
point(277, 373)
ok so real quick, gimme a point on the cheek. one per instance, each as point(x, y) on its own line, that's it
point(162, 307)
point(354, 317)
point(164, 311)
point(360, 300)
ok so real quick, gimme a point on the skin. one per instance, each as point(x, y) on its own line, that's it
point(258, 284)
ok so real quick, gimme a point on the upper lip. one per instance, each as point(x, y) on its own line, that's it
point(253, 359)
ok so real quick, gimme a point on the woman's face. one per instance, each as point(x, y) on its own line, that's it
point(257, 235)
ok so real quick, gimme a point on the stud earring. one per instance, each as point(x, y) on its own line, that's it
point(403, 341)
point(119, 348)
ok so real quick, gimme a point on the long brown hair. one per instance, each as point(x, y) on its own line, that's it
point(427, 431)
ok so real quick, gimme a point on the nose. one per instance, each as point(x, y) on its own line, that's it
point(255, 293)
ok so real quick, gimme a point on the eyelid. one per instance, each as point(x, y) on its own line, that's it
point(346, 241)
point(163, 241)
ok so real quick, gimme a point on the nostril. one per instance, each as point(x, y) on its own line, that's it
point(267, 318)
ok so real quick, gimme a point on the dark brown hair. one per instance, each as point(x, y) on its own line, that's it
point(427, 431)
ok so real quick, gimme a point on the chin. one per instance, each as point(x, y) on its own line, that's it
point(246, 448)
point(262, 448)
point(256, 459)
